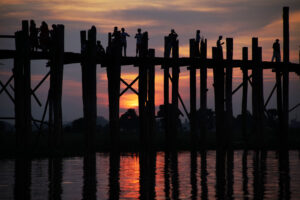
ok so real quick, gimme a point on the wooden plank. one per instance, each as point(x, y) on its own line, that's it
point(166, 94)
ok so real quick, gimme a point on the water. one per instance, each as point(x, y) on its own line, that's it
point(179, 175)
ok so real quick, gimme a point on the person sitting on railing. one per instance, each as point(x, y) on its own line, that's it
point(100, 49)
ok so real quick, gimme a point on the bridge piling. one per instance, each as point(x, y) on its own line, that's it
point(245, 95)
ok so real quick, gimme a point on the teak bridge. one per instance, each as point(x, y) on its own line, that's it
point(113, 61)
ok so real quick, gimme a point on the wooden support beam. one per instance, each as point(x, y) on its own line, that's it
point(6, 84)
point(166, 94)
point(257, 93)
point(22, 84)
point(203, 94)
point(175, 91)
point(245, 96)
point(228, 93)
point(114, 52)
point(144, 134)
point(285, 75)
point(193, 124)
point(129, 86)
point(151, 96)
point(219, 96)
point(7, 92)
point(56, 81)
point(89, 86)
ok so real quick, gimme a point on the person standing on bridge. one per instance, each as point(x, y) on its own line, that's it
point(138, 37)
point(197, 39)
point(44, 37)
point(34, 43)
point(276, 51)
point(172, 40)
point(123, 40)
point(219, 45)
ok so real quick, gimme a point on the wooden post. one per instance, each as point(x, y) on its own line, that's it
point(175, 92)
point(203, 94)
point(285, 77)
point(151, 95)
point(143, 93)
point(257, 93)
point(22, 82)
point(218, 71)
point(193, 125)
point(228, 94)
point(56, 80)
point(89, 88)
point(245, 94)
point(166, 94)
point(113, 76)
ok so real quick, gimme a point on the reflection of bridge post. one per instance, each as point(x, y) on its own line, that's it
point(22, 178)
point(204, 188)
point(259, 167)
point(114, 175)
point(22, 84)
point(174, 175)
point(89, 97)
point(55, 175)
point(193, 175)
point(89, 176)
point(220, 173)
point(284, 175)
point(147, 174)
point(167, 175)
point(245, 174)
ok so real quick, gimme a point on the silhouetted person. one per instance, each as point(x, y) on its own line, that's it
point(219, 45)
point(44, 37)
point(138, 37)
point(33, 36)
point(116, 34)
point(276, 51)
point(100, 49)
point(172, 40)
point(123, 39)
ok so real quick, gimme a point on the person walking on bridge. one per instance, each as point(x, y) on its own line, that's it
point(276, 51)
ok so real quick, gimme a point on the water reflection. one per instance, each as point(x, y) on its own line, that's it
point(22, 178)
point(55, 174)
point(155, 175)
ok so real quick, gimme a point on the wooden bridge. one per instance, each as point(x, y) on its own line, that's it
point(113, 61)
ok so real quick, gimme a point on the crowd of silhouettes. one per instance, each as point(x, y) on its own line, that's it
point(41, 38)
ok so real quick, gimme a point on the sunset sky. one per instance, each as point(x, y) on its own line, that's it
point(240, 19)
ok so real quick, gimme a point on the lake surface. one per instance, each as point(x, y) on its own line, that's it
point(160, 175)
